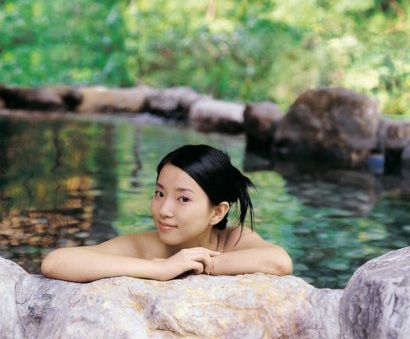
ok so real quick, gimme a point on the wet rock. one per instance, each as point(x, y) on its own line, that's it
point(31, 98)
point(260, 122)
point(333, 125)
point(394, 134)
point(70, 96)
point(101, 99)
point(208, 115)
point(173, 102)
point(394, 141)
point(406, 156)
point(376, 300)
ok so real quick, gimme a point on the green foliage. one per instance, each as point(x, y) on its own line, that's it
point(235, 49)
point(52, 42)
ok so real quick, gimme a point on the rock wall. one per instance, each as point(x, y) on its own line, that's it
point(375, 304)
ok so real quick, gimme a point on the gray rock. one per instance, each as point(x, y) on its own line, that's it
point(260, 121)
point(394, 142)
point(394, 134)
point(45, 99)
point(246, 306)
point(376, 300)
point(375, 304)
point(173, 102)
point(10, 326)
point(209, 115)
point(102, 99)
point(329, 125)
point(406, 156)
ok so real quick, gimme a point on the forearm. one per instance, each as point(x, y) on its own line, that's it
point(81, 264)
point(270, 260)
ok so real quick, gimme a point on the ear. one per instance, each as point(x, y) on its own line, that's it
point(220, 211)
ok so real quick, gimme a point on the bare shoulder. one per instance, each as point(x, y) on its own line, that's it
point(237, 238)
point(141, 245)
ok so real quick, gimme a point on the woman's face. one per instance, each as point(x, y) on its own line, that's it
point(181, 209)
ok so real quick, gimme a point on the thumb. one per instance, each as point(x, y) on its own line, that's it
point(214, 253)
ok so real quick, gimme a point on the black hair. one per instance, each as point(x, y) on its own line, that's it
point(214, 173)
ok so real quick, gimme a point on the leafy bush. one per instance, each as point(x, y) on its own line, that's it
point(235, 49)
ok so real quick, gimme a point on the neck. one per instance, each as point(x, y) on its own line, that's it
point(209, 241)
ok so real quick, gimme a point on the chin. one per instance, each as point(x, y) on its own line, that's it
point(168, 240)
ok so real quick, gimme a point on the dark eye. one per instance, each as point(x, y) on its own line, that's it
point(183, 199)
point(158, 194)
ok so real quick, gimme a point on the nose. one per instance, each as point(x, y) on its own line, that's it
point(166, 209)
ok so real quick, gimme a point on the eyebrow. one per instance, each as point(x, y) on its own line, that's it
point(179, 189)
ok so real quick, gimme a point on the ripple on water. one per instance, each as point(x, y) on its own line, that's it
point(299, 267)
point(406, 228)
point(338, 265)
point(400, 243)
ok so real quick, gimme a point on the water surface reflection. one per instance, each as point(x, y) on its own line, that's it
point(80, 180)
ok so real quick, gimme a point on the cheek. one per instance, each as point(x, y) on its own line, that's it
point(152, 206)
point(205, 214)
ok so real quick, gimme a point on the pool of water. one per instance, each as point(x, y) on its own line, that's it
point(74, 180)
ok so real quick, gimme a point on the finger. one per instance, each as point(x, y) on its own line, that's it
point(198, 267)
point(206, 260)
point(199, 260)
point(209, 267)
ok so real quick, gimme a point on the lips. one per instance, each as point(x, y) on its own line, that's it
point(166, 227)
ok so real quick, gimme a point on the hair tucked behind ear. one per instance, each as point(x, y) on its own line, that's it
point(243, 184)
point(214, 172)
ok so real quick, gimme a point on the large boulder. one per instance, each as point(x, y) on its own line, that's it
point(102, 99)
point(45, 99)
point(2, 103)
point(10, 275)
point(70, 96)
point(334, 125)
point(209, 115)
point(173, 103)
point(376, 300)
point(375, 304)
point(246, 306)
point(260, 122)
point(405, 156)
point(394, 141)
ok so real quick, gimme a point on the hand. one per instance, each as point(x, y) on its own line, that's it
point(197, 259)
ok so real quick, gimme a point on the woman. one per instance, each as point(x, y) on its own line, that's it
point(195, 189)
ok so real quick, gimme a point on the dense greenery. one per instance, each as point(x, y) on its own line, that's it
point(233, 49)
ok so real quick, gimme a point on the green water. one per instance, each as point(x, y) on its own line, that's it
point(74, 180)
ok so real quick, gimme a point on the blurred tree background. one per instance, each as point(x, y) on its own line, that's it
point(233, 49)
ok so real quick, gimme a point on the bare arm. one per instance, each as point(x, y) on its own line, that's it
point(126, 256)
point(251, 254)
point(113, 258)
point(121, 256)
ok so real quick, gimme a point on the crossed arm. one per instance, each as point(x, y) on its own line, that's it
point(251, 254)
point(121, 257)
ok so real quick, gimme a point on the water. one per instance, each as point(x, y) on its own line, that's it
point(71, 180)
